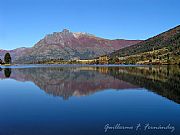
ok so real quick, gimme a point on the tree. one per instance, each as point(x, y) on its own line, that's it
point(7, 58)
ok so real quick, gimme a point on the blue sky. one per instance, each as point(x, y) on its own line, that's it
point(25, 22)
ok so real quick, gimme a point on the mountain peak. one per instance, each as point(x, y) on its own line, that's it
point(65, 31)
point(79, 34)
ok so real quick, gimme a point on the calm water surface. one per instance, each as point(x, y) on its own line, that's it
point(87, 100)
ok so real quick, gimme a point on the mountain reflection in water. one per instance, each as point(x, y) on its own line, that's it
point(80, 81)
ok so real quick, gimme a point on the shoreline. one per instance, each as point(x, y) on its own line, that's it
point(78, 65)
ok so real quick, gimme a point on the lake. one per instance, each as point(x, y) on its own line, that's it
point(89, 100)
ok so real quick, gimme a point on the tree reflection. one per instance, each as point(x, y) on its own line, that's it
point(7, 72)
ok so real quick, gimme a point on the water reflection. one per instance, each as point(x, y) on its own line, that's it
point(7, 72)
point(80, 81)
point(163, 80)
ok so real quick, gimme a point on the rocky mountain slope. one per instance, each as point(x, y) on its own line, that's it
point(68, 45)
point(163, 49)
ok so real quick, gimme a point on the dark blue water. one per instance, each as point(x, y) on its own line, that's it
point(89, 100)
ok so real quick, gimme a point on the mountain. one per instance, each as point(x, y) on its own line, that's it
point(68, 45)
point(161, 49)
